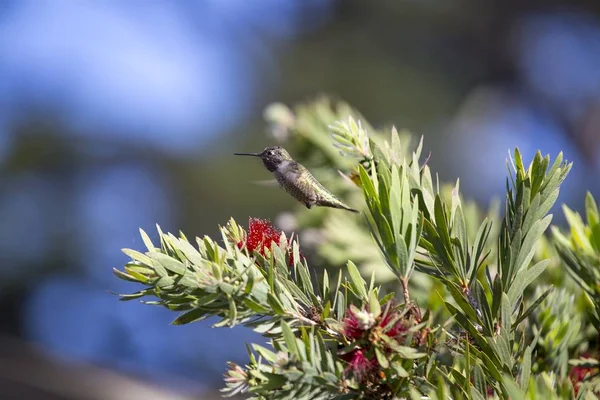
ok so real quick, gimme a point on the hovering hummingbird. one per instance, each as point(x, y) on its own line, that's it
point(295, 179)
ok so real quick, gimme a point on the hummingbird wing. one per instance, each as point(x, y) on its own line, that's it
point(324, 197)
point(266, 182)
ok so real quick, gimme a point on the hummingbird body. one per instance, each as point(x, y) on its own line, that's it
point(296, 180)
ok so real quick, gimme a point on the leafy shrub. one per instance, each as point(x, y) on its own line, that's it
point(477, 313)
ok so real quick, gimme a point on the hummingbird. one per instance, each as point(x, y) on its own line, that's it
point(295, 179)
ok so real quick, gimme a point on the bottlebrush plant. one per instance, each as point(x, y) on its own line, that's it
point(469, 307)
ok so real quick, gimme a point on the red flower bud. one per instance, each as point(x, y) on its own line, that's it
point(359, 364)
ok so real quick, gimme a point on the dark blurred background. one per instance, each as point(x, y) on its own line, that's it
point(116, 115)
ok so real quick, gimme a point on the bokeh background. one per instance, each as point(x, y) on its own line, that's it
point(117, 115)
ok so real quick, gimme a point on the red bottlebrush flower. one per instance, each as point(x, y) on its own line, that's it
point(260, 236)
point(359, 364)
point(357, 322)
point(578, 374)
point(398, 329)
point(352, 327)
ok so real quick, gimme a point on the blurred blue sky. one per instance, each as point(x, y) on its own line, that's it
point(171, 74)
point(558, 55)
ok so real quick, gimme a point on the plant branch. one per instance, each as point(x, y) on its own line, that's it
point(404, 283)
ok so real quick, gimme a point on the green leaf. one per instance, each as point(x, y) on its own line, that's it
point(374, 306)
point(488, 318)
point(460, 232)
point(479, 379)
point(385, 182)
point(532, 308)
point(167, 262)
point(531, 213)
point(591, 210)
point(164, 282)
point(227, 288)
point(137, 256)
point(402, 373)
point(496, 295)
point(369, 190)
point(506, 311)
point(325, 286)
point(503, 351)
point(254, 306)
point(396, 202)
point(265, 353)
point(556, 165)
point(525, 369)
point(190, 316)
point(585, 362)
point(133, 296)
point(147, 241)
point(191, 253)
point(476, 395)
point(122, 275)
point(441, 388)
point(478, 248)
point(532, 237)
point(275, 304)
point(275, 381)
point(232, 312)
point(381, 359)
point(340, 305)
point(389, 243)
point(207, 299)
point(523, 279)
point(304, 278)
point(462, 302)
point(473, 332)
point(358, 283)
point(408, 352)
point(441, 223)
point(547, 203)
point(490, 366)
point(578, 235)
point(513, 390)
point(402, 268)
point(427, 191)
point(460, 379)
point(289, 338)
point(467, 364)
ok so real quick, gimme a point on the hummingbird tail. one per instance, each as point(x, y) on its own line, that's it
point(338, 204)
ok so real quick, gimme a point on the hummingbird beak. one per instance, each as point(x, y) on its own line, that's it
point(247, 154)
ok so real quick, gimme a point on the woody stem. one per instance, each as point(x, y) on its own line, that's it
point(404, 282)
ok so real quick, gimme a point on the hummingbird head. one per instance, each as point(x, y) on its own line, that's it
point(271, 156)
